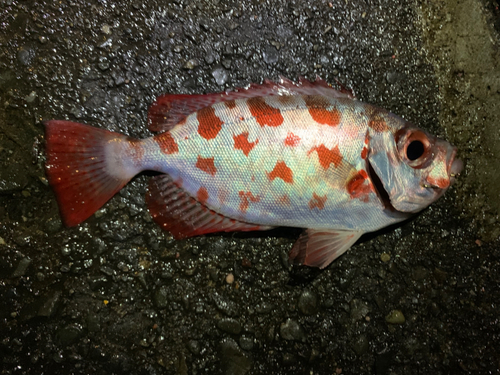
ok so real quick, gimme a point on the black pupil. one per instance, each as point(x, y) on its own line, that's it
point(414, 150)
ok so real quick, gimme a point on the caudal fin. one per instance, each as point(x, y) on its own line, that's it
point(79, 168)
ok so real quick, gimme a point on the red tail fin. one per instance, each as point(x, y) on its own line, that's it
point(78, 168)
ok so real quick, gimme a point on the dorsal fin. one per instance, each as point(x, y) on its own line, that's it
point(168, 110)
point(319, 87)
point(183, 216)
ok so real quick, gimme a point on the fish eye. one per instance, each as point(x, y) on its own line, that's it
point(415, 150)
point(414, 147)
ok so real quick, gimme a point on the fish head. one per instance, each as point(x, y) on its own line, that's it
point(411, 168)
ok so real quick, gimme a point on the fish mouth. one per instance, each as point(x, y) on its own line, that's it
point(382, 194)
point(455, 166)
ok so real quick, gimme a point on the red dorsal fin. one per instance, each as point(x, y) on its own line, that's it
point(168, 110)
point(318, 248)
point(321, 87)
point(183, 216)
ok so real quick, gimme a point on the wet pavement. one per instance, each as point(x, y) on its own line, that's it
point(118, 295)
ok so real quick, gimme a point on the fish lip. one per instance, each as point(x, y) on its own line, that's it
point(455, 166)
point(379, 188)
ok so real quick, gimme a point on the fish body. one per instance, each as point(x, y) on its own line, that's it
point(288, 170)
point(278, 154)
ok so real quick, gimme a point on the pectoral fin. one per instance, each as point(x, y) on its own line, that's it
point(318, 248)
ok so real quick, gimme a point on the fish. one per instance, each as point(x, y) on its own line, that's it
point(296, 154)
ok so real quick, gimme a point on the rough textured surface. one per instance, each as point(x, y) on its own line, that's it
point(117, 295)
point(464, 50)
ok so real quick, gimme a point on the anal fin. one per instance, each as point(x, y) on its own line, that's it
point(183, 216)
point(318, 248)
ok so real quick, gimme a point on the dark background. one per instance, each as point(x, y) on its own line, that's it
point(118, 295)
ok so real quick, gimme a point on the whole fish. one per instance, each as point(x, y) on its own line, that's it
point(276, 154)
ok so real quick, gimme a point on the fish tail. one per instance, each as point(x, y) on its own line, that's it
point(86, 166)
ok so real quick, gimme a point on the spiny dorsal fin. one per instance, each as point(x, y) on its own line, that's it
point(168, 110)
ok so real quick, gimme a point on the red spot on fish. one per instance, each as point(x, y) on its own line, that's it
point(357, 188)
point(166, 143)
point(377, 123)
point(364, 153)
point(209, 124)
point(206, 165)
point(441, 183)
point(292, 140)
point(318, 109)
point(202, 195)
point(178, 181)
point(327, 156)
point(241, 143)
point(317, 202)
point(230, 104)
point(222, 196)
point(264, 114)
point(284, 200)
point(246, 198)
point(281, 170)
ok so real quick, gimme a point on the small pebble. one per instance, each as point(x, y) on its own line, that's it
point(161, 297)
point(209, 58)
point(395, 317)
point(360, 345)
point(221, 75)
point(106, 29)
point(246, 343)
point(384, 257)
point(22, 266)
point(103, 63)
point(291, 330)
point(191, 64)
point(308, 302)
point(229, 325)
point(31, 97)
point(270, 55)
